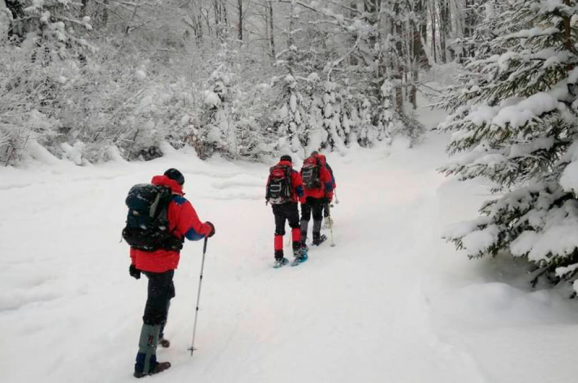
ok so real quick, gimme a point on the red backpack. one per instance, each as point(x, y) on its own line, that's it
point(279, 190)
point(311, 173)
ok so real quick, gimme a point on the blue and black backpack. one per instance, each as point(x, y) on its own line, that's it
point(147, 225)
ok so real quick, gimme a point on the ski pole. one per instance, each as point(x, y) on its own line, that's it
point(192, 348)
point(336, 199)
point(330, 224)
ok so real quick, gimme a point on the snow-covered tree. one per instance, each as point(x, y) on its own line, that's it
point(255, 138)
point(515, 123)
point(101, 72)
point(323, 105)
point(36, 68)
point(5, 22)
point(216, 130)
point(289, 122)
point(332, 117)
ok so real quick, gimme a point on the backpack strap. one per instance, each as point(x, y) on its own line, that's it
point(267, 192)
point(289, 175)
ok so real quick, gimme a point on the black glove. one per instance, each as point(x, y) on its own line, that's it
point(134, 272)
point(212, 229)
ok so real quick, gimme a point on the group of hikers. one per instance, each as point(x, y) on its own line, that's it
point(160, 218)
point(312, 187)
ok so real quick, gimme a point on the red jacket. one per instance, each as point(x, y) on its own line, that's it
point(185, 222)
point(296, 182)
point(326, 188)
point(324, 163)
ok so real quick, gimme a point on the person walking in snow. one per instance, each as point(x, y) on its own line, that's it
point(159, 267)
point(283, 191)
point(318, 184)
point(326, 201)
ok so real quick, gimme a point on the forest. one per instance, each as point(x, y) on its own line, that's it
point(247, 79)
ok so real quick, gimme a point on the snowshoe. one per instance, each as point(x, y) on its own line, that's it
point(159, 367)
point(280, 263)
point(300, 257)
point(319, 240)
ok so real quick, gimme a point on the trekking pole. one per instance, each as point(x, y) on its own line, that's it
point(330, 224)
point(192, 348)
point(336, 199)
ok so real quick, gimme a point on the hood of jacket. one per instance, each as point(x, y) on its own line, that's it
point(166, 181)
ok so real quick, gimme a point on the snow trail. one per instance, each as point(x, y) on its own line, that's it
point(390, 302)
point(353, 312)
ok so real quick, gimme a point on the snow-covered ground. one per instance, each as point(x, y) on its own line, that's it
point(391, 302)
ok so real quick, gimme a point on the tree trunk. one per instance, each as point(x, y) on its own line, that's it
point(418, 54)
point(240, 5)
point(469, 25)
point(199, 28)
point(83, 8)
point(220, 11)
point(399, 71)
point(353, 61)
point(372, 15)
point(433, 31)
point(271, 30)
point(105, 13)
point(290, 41)
point(444, 29)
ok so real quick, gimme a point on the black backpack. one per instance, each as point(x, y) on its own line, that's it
point(279, 190)
point(147, 225)
point(311, 173)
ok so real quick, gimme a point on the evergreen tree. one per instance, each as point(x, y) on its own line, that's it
point(217, 130)
point(514, 122)
point(45, 52)
point(290, 122)
point(332, 117)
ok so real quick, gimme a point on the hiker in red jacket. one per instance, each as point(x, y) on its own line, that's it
point(326, 202)
point(318, 184)
point(284, 189)
point(159, 267)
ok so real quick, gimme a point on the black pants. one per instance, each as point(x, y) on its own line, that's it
point(326, 212)
point(315, 206)
point(312, 205)
point(160, 292)
point(286, 212)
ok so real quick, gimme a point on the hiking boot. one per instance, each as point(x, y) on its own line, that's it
point(318, 239)
point(159, 367)
point(298, 253)
point(279, 262)
point(300, 257)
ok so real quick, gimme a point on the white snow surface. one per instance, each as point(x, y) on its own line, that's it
point(392, 302)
